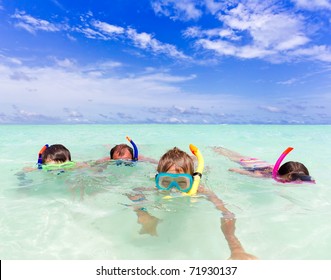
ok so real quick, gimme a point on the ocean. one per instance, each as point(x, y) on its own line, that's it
point(85, 214)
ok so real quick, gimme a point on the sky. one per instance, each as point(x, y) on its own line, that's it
point(165, 61)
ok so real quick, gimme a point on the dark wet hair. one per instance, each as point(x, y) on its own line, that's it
point(120, 149)
point(294, 170)
point(57, 153)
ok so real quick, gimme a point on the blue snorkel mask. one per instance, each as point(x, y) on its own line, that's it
point(181, 181)
point(40, 159)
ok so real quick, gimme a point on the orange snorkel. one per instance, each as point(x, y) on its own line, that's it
point(40, 160)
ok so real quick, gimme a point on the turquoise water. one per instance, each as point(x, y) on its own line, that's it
point(84, 214)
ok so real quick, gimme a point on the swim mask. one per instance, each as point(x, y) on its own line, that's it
point(181, 181)
point(58, 166)
point(124, 162)
point(302, 177)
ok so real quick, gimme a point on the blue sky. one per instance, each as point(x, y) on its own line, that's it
point(165, 61)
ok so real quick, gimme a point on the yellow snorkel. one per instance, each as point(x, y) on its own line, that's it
point(198, 173)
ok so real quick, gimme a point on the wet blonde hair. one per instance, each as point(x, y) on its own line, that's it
point(177, 158)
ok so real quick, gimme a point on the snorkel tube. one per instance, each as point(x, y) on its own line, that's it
point(198, 173)
point(135, 149)
point(40, 160)
point(279, 161)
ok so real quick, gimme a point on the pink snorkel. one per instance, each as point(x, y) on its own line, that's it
point(279, 161)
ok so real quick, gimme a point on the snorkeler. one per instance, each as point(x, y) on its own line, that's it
point(118, 155)
point(175, 173)
point(124, 154)
point(54, 157)
point(50, 158)
point(290, 171)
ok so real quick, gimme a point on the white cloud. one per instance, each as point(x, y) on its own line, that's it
point(263, 30)
point(146, 41)
point(193, 32)
point(268, 27)
point(322, 53)
point(288, 82)
point(271, 109)
point(73, 86)
point(65, 63)
point(163, 77)
point(95, 29)
point(313, 4)
point(72, 94)
point(10, 60)
point(177, 9)
point(142, 40)
point(221, 47)
point(108, 28)
point(17, 75)
point(244, 31)
point(292, 43)
point(213, 7)
point(91, 33)
point(230, 49)
point(24, 116)
point(32, 24)
point(197, 32)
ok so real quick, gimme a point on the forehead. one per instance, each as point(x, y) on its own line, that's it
point(175, 169)
point(123, 154)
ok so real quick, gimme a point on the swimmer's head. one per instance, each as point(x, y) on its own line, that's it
point(176, 161)
point(121, 151)
point(55, 154)
point(293, 171)
point(175, 170)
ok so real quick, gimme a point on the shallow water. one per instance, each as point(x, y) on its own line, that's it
point(85, 214)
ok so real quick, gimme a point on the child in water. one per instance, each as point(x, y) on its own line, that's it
point(123, 153)
point(55, 157)
point(118, 152)
point(54, 154)
point(176, 172)
point(290, 171)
